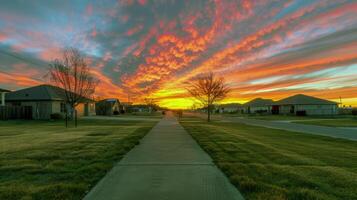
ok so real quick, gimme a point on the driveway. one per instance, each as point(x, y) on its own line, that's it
point(167, 165)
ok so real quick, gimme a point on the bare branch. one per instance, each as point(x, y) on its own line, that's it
point(72, 74)
point(208, 90)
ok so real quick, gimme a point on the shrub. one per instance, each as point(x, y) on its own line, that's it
point(116, 112)
point(261, 111)
point(56, 116)
point(301, 113)
point(354, 112)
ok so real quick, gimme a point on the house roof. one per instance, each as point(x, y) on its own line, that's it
point(3, 90)
point(112, 100)
point(139, 106)
point(229, 105)
point(301, 99)
point(127, 103)
point(259, 102)
point(38, 93)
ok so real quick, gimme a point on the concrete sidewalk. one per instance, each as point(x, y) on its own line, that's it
point(167, 165)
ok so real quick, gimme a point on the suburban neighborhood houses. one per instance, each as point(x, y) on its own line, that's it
point(228, 108)
point(108, 107)
point(257, 105)
point(45, 100)
point(294, 105)
point(304, 105)
point(166, 134)
point(178, 100)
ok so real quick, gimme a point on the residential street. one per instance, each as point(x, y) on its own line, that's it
point(168, 164)
point(345, 133)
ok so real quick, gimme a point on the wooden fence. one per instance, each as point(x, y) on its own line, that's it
point(15, 112)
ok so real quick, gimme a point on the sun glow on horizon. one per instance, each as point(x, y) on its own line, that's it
point(138, 50)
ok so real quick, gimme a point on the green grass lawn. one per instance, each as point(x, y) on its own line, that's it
point(333, 123)
point(44, 160)
point(141, 116)
point(153, 114)
point(270, 117)
point(275, 164)
point(260, 117)
point(281, 117)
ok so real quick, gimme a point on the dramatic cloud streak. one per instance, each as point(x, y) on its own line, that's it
point(142, 48)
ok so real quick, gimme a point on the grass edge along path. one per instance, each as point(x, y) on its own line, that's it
point(274, 164)
point(68, 163)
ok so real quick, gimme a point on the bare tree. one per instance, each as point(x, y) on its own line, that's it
point(72, 74)
point(151, 103)
point(208, 89)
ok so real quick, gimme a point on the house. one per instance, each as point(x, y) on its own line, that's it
point(2, 96)
point(46, 100)
point(126, 106)
point(140, 108)
point(304, 105)
point(257, 105)
point(228, 108)
point(108, 107)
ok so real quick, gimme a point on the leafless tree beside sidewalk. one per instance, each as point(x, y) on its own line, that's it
point(208, 89)
point(72, 74)
point(151, 103)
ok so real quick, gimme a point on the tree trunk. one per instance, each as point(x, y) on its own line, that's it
point(75, 118)
point(66, 117)
point(208, 113)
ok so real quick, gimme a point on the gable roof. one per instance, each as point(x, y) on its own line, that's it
point(3, 90)
point(259, 102)
point(38, 93)
point(105, 101)
point(111, 100)
point(301, 99)
point(229, 105)
point(127, 103)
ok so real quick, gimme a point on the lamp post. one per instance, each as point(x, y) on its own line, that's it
point(2, 98)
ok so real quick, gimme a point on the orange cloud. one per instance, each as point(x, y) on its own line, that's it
point(172, 53)
point(20, 81)
point(261, 48)
point(106, 87)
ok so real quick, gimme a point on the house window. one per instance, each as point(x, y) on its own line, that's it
point(92, 107)
point(63, 107)
point(16, 103)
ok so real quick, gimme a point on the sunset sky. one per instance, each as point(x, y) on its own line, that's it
point(149, 48)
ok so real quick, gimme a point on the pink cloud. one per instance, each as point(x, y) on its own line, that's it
point(94, 31)
point(3, 37)
point(51, 54)
point(107, 56)
point(25, 70)
point(89, 10)
point(134, 30)
point(142, 2)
